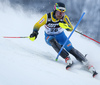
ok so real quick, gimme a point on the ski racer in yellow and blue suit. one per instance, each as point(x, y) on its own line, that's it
point(55, 36)
point(52, 29)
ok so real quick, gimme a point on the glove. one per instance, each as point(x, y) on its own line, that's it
point(65, 26)
point(69, 28)
point(33, 36)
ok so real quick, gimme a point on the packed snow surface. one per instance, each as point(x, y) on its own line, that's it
point(23, 62)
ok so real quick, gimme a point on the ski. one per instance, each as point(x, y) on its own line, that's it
point(71, 65)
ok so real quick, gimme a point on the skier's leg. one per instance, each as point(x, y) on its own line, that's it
point(61, 38)
point(50, 40)
point(64, 54)
point(80, 57)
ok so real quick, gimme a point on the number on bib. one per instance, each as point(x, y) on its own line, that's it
point(54, 29)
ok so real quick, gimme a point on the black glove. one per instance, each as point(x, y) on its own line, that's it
point(33, 36)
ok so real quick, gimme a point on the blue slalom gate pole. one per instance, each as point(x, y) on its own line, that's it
point(70, 35)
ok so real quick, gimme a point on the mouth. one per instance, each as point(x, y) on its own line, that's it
point(59, 16)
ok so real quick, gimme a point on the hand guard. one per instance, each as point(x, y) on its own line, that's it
point(33, 36)
point(65, 26)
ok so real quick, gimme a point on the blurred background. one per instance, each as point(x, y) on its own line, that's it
point(90, 24)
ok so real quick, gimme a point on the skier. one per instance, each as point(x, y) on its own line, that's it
point(55, 36)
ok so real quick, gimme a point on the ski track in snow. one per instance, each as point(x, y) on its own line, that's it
point(23, 62)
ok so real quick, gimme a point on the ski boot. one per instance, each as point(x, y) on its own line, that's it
point(68, 62)
point(90, 68)
point(81, 58)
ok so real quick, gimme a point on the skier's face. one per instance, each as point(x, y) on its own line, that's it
point(59, 14)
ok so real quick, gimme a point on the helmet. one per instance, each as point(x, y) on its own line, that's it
point(59, 7)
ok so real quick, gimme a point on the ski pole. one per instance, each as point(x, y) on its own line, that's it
point(14, 37)
point(70, 36)
point(87, 36)
point(32, 39)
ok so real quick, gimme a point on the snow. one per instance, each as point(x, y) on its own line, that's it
point(23, 62)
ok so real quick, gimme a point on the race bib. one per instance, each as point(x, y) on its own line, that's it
point(52, 31)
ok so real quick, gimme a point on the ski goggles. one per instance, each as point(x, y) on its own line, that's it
point(60, 13)
point(61, 10)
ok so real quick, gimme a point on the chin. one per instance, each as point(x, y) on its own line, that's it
point(59, 17)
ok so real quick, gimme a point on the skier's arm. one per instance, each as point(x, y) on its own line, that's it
point(67, 21)
point(37, 26)
point(40, 23)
